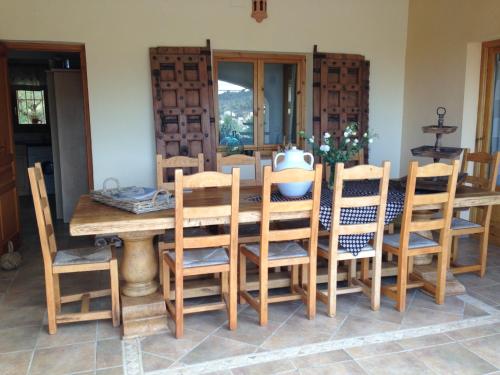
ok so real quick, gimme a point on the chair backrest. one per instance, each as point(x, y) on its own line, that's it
point(358, 159)
point(43, 214)
point(484, 160)
point(207, 208)
point(239, 160)
point(441, 200)
point(306, 208)
point(378, 200)
point(175, 162)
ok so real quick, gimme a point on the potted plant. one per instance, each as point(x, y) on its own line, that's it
point(330, 151)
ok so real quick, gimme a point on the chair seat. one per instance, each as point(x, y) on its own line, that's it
point(416, 241)
point(279, 250)
point(212, 256)
point(324, 245)
point(457, 223)
point(84, 255)
point(169, 235)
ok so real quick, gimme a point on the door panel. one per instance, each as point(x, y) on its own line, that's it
point(9, 211)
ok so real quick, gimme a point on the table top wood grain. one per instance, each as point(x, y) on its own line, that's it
point(93, 218)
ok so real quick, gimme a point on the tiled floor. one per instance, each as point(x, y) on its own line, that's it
point(460, 337)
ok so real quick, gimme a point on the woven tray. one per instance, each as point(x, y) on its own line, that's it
point(129, 198)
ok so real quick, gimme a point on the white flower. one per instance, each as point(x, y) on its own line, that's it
point(356, 140)
point(365, 135)
point(311, 139)
point(324, 148)
point(370, 140)
point(347, 140)
point(327, 135)
point(346, 134)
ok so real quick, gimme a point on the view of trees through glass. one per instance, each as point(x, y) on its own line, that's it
point(30, 107)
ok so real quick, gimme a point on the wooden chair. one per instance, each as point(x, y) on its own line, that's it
point(329, 248)
point(481, 225)
point(407, 243)
point(172, 163)
point(203, 255)
point(239, 160)
point(279, 247)
point(57, 262)
point(162, 167)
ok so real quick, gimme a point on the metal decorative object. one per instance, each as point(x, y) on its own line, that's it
point(437, 151)
point(259, 10)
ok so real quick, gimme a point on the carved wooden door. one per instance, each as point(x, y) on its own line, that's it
point(183, 102)
point(340, 93)
point(9, 211)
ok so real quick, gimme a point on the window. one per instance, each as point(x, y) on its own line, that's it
point(30, 106)
point(259, 99)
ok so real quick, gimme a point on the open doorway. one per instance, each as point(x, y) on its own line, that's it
point(46, 95)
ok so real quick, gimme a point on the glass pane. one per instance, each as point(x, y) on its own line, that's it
point(280, 109)
point(235, 94)
point(21, 94)
point(38, 94)
point(29, 94)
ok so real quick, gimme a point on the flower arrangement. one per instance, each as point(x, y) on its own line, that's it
point(330, 151)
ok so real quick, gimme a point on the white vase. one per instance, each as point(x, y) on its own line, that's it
point(293, 158)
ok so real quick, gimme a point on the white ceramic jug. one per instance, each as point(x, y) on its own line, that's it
point(294, 158)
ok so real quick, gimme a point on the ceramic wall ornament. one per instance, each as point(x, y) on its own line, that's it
point(259, 10)
point(294, 158)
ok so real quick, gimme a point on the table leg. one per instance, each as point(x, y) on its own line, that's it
point(139, 265)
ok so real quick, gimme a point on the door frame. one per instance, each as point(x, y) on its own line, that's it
point(60, 47)
point(489, 51)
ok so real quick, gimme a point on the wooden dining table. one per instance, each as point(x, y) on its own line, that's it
point(139, 265)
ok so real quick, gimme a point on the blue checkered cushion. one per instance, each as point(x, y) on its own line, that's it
point(324, 245)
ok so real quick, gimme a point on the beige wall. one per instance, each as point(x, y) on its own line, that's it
point(442, 67)
point(118, 33)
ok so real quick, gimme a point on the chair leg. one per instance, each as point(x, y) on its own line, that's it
point(402, 280)
point(365, 269)
point(57, 293)
point(311, 288)
point(483, 251)
point(331, 309)
point(233, 294)
point(179, 304)
point(242, 275)
point(442, 268)
point(294, 278)
point(160, 266)
point(115, 293)
point(351, 271)
point(376, 281)
point(305, 272)
point(166, 279)
point(263, 281)
point(51, 305)
point(454, 249)
point(224, 284)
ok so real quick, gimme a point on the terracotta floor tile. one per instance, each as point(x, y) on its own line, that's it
point(273, 367)
point(18, 338)
point(321, 359)
point(339, 368)
point(361, 326)
point(64, 359)
point(166, 345)
point(109, 353)
point(110, 371)
point(21, 316)
point(394, 364)
point(474, 332)
point(71, 333)
point(373, 349)
point(421, 316)
point(216, 348)
point(151, 362)
point(15, 363)
point(453, 359)
point(486, 347)
point(424, 341)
